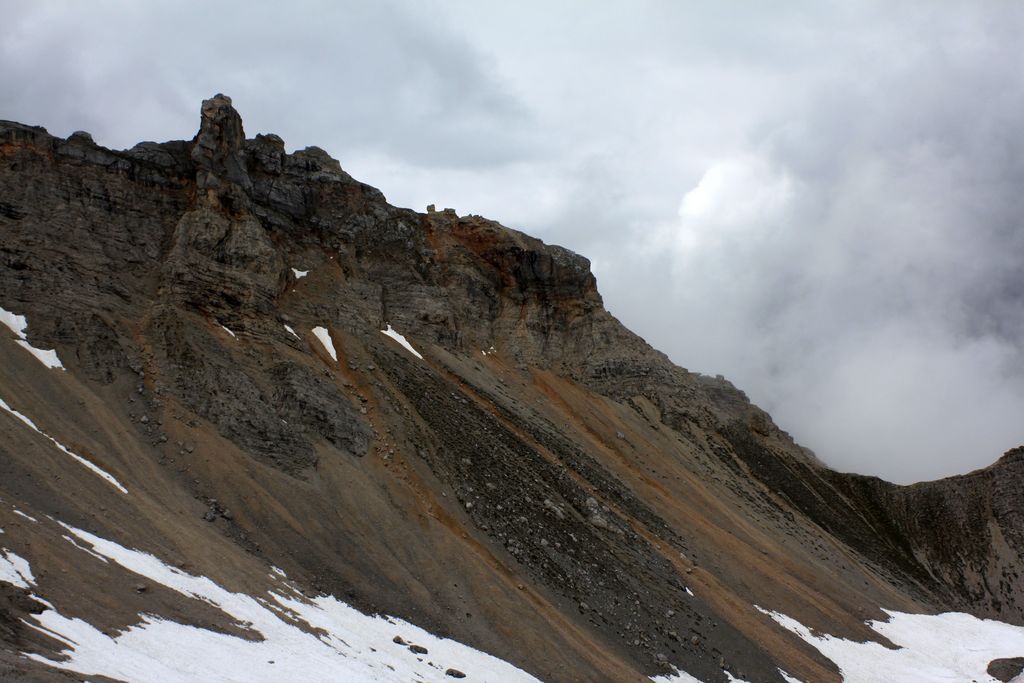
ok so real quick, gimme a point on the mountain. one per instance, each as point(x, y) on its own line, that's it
point(248, 404)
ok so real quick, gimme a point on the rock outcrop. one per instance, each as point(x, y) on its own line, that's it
point(542, 485)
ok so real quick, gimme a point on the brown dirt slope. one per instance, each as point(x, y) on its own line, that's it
point(542, 485)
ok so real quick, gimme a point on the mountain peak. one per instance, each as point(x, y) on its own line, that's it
point(218, 147)
point(429, 416)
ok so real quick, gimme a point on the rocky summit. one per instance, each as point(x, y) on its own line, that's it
point(249, 407)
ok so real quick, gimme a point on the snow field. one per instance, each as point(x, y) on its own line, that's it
point(353, 646)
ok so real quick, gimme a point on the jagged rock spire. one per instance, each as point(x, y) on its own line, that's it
point(217, 151)
point(222, 258)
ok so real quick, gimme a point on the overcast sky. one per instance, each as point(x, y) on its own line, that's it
point(821, 201)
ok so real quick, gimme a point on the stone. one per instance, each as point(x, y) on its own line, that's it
point(1006, 669)
point(187, 233)
point(217, 150)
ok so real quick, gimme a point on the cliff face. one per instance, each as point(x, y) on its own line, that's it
point(965, 532)
point(541, 484)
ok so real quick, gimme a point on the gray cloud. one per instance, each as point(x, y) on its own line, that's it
point(820, 202)
point(351, 76)
point(855, 267)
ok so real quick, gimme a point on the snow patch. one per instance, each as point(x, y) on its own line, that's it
point(352, 647)
point(46, 357)
point(110, 479)
point(22, 514)
point(81, 547)
point(489, 351)
point(291, 331)
point(325, 338)
point(19, 325)
point(940, 647)
point(733, 679)
point(401, 340)
point(228, 331)
point(299, 274)
point(677, 677)
point(689, 592)
point(789, 678)
point(15, 570)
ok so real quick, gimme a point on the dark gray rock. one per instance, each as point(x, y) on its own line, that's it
point(1006, 669)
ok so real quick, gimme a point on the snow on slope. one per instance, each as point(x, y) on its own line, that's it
point(15, 569)
point(683, 677)
point(19, 325)
point(325, 338)
point(354, 647)
point(351, 646)
point(401, 340)
point(22, 514)
point(95, 469)
point(677, 677)
point(952, 647)
point(942, 648)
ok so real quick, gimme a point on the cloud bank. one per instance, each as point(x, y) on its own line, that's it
point(820, 202)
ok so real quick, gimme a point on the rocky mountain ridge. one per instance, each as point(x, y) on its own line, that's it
point(541, 484)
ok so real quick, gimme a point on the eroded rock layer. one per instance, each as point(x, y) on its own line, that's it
point(541, 485)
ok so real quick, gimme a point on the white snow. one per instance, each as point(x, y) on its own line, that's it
point(489, 351)
point(354, 647)
point(46, 357)
point(228, 331)
point(18, 324)
point(683, 677)
point(291, 331)
point(325, 338)
point(22, 514)
point(677, 677)
point(401, 340)
point(789, 678)
point(15, 570)
point(299, 274)
point(110, 479)
point(81, 547)
point(689, 592)
point(950, 647)
point(943, 648)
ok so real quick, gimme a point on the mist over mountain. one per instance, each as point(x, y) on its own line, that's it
point(818, 201)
